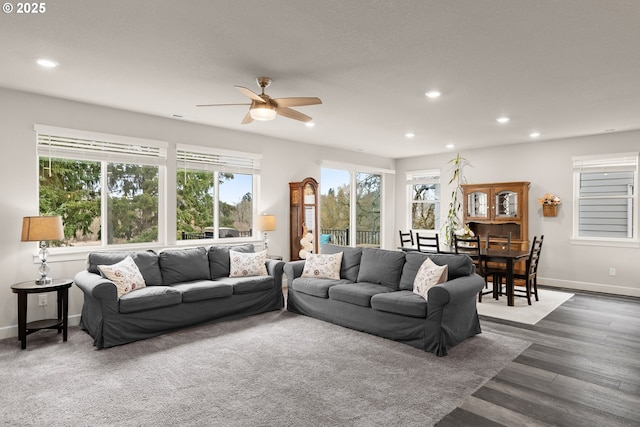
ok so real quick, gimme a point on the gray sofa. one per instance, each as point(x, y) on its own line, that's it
point(375, 294)
point(184, 287)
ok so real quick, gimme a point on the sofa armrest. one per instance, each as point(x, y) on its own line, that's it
point(275, 268)
point(456, 291)
point(97, 287)
point(293, 269)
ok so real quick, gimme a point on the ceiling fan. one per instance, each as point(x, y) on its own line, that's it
point(264, 108)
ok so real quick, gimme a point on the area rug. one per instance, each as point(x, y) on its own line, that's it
point(521, 312)
point(273, 369)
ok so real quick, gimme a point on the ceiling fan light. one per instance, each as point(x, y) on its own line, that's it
point(263, 112)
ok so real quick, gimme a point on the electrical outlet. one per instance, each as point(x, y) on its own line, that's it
point(612, 271)
point(42, 300)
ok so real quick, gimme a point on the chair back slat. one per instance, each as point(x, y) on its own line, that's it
point(406, 239)
point(429, 244)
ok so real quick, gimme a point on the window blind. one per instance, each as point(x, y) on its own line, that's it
point(80, 145)
point(201, 158)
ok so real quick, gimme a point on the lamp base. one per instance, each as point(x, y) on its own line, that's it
point(44, 281)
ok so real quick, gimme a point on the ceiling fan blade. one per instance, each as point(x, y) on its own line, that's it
point(297, 102)
point(247, 119)
point(217, 105)
point(249, 93)
point(293, 114)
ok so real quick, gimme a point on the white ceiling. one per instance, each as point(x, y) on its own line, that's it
point(560, 67)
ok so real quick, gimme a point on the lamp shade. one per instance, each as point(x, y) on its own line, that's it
point(42, 228)
point(266, 223)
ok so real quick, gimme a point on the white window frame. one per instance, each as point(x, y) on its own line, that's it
point(418, 177)
point(353, 170)
point(74, 144)
point(606, 163)
point(215, 160)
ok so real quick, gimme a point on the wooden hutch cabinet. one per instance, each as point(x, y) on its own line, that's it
point(303, 214)
point(498, 209)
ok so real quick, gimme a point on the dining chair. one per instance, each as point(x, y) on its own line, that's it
point(406, 238)
point(530, 275)
point(429, 244)
point(496, 271)
point(471, 246)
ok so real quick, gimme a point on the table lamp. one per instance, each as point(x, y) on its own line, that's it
point(42, 229)
point(266, 223)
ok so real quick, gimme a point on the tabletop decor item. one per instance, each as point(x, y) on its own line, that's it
point(42, 229)
point(549, 204)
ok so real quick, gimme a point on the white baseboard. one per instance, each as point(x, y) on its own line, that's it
point(592, 287)
point(12, 330)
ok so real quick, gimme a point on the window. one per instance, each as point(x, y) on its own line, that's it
point(423, 188)
point(605, 198)
point(215, 191)
point(105, 187)
point(350, 206)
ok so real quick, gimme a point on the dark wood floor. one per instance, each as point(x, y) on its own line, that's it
point(582, 369)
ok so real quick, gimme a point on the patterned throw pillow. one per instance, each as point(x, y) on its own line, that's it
point(247, 264)
point(323, 266)
point(124, 274)
point(429, 275)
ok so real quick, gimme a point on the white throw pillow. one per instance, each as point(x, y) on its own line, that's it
point(247, 264)
point(125, 275)
point(429, 275)
point(322, 266)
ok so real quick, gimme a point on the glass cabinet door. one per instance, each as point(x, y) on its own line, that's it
point(477, 204)
point(506, 204)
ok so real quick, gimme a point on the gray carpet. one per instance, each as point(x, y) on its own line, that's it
point(274, 369)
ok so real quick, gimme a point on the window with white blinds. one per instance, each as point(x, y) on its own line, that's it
point(107, 188)
point(605, 197)
point(215, 192)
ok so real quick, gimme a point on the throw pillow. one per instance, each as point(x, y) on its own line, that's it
point(323, 266)
point(429, 275)
point(125, 275)
point(247, 264)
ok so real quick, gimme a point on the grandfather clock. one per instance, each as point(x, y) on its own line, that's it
point(303, 214)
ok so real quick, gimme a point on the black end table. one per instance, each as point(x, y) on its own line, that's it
point(61, 286)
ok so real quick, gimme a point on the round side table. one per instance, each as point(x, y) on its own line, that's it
point(61, 286)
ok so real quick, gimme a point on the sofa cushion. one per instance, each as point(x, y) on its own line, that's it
point(404, 303)
point(357, 293)
point(315, 287)
point(147, 262)
point(124, 274)
point(149, 297)
point(429, 275)
point(248, 285)
point(382, 267)
point(457, 266)
point(184, 265)
point(245, 265)
point(219, 264)
point(323, 266)
point(203, 289)
point(350, 260)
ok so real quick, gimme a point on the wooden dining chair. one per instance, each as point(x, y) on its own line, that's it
point(430, 244)
point(406, 238)
point(530, 275)
point(471, 246)
point(496, 271)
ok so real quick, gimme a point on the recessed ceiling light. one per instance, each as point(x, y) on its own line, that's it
point(432, 94)
point(503, 119)
point(309, 124)
point(46, 63)
point(534, 134)
point(450, 146)
point(409, 135)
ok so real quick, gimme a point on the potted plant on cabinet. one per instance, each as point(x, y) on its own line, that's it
point(453, 224)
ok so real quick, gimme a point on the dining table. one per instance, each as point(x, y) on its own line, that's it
point(509, 257)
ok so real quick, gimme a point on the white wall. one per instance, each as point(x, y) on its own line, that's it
point(548, 166)
point(283, 161)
